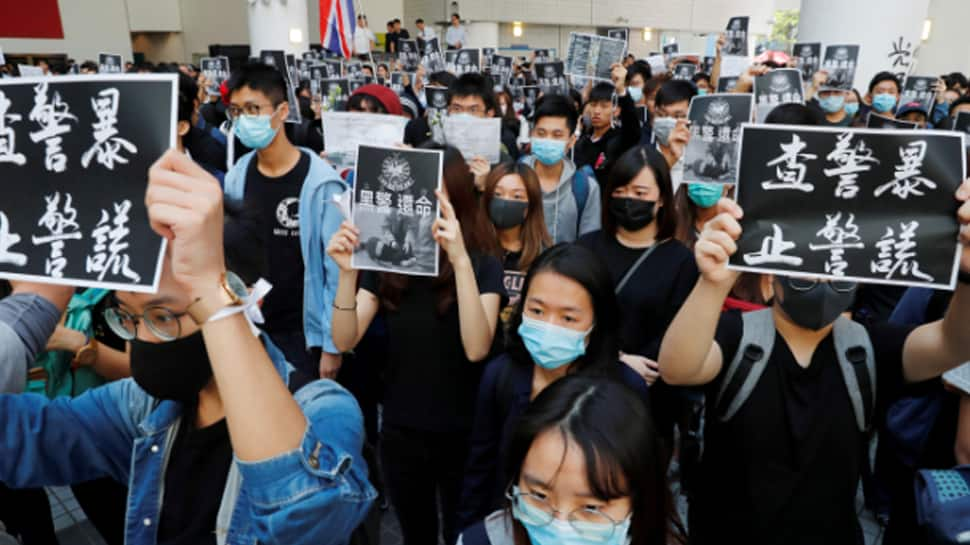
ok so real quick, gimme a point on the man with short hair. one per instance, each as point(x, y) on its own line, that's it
point(883, 95)
point(390, 38)
point(669, 126)
point(603, 143)
point(424, 31)
point(402, 33)
point(472, 94)
point(364, 39)
point(455, 37)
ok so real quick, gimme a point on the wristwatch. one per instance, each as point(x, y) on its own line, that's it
point(87, 355)
point(232, 292)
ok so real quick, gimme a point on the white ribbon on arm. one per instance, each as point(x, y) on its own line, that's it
point(342, 201)
point(250, 306)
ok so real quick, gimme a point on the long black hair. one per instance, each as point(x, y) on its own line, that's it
point(628, 167)
point(612, 427)
point(586, 268)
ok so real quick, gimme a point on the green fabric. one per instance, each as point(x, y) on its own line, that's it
point(61, 380)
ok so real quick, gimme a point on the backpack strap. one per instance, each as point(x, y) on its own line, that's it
point(580, 184)
point(744, 371)
point(853, 347)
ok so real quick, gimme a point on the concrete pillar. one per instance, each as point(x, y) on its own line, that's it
point(278, 24)
point(882, 28)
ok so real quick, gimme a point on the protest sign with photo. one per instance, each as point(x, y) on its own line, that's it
point(464, 61)
point(619, 34)
point(542, 55)
point(334, 68)
point(919, 89)
point(394, 208)
point(726, 84)
point(850, 204)
point(109, 63)
point(431, 56)
point(777, 87)
point(707, 65)
point(591, 56)
point(399, 82)
point(501, 65)
point(550, 77)
point(840, 62)
point(736, 37)
point(344, 131)
point(529, 94)
point(876, 121)
point(715, 125)
point(808, 58)
point(275, 58)
point(671, 50)
point(684, 71)
point(487, 54)
point(475, 137)
point(216, 70)
point(74, 154)
point(658, 65)
point(335, 93)
point(408, 55)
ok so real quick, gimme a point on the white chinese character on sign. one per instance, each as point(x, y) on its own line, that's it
point(840, 238)
point(908, 176)
point(8, 240)
point(790, 172)
point(707, 133)
point(405, 204)
point(384, 202)
point(422, 206)
point(8, 139)
point(107, 144)
point(110, 245)
point(366, 199)
point(51, 117)
point(899, 255)
point(851, 161)
point(773, 249)
point(61, 225)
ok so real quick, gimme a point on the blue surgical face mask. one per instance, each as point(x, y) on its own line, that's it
point(255, 131)
point(552, 346)
point(548, 151)
point(702, 92)
point(704, 195)
point(561, 532)
point(636, 93)
point(832, 103)
point(851, 108)
point(883, 102)
point(662, 127)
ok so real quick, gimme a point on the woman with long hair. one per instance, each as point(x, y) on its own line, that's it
point(438, 329)
point(584, 466)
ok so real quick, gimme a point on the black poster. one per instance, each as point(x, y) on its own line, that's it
point(334, 68)
point(278, 59)
point(275, 58)
point(715, 127)
point(736, 37)
point(529, 95)
point(487, 54)
point(919, 89)
point(394, 207)
point(591, 56)
point(876, 121)
point(840, 62)
point(336, 93)
point(685, 71)
point(543, 55)
point(75, 153)
point(437, 102)
point(109, 63)
point(501, 65)
point(408, 55)
point(463, 61)
point(397, 83)
point(357, 83)
point(550, 78)
point(808, 57)
point(216, 70)
point(707, 65)
point(311, 56)
point(619, 34)
point(725, 84)
point(781, 86)
point(852, 204)
point(670, 50)
point(431, 56)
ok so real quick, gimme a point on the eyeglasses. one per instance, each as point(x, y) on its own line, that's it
point(250, 108)
point(162, 322)
point(807, 284)
point(535, 510)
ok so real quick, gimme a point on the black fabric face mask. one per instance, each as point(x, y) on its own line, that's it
point(817, 307)
point(507, 213)
point(632, 214)
point(174, 371)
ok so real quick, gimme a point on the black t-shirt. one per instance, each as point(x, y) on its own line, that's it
point(655, 292)
point(278, 203)
point(195, 481)
point(431, 385)
point(785, 469)
point(513, 279)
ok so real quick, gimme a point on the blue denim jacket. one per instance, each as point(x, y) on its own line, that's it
point(319, 221)
point(316, 494)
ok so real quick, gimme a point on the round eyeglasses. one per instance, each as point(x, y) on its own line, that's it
point(800, 283)
point(534, 509)
point(162, 322)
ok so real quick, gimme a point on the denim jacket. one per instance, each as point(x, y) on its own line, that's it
point(319, 221)
point(315, 494)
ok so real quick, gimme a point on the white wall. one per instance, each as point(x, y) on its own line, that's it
point(947, 50)
point(155, 15)
point(90, 27)
point(206, 22)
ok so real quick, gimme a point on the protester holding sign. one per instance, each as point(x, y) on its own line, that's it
point(603, 143)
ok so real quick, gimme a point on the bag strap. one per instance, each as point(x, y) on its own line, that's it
point(853, 347)
point(580, 186)
point(744, 371)
point(636, 265)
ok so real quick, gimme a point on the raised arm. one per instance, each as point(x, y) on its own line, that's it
point(353, 309)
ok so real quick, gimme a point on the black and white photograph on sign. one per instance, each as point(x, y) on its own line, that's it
point(465, 61)
point(876, 121)
point(726, 85)
point(961, 123)
point(487, 54)
point(501, 65)
point(355, 70)
point(840, 62)
point(707, 65)
point(408, 55)
point(715, 126)
point(397, 82)
point(319, 71)
point(334, 68)
point(530, 95)
point(77, 149)
point(777, 87)
point(437, 110)
point(275, 58)
point(431, 56)
point(808, 58)
point(542, 55)
point(619, 34)
point(475, 137)
point(850, 204)
point(303, 70)
point(291, 69)
point(310, 56)
point(685, 71)
point(919, 89)
point(109, 63)
point(216, 70)
point(736, 37)
point(671, 50)
point(591, 56)
point(357, 83)
point(394, 208)
point(336, 93)
point(550, 77)
point(498, 81)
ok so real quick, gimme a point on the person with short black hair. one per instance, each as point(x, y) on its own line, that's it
point(364, 39)
point(702, 81)
point(472, 94)
point(602, 143)
point(883, 95)
point(669, 126)
point(391, 38)
point(455, 37)
point(637, 76)
point(425, 32)
point(402, 33)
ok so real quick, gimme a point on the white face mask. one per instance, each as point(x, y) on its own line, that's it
point(504, 108)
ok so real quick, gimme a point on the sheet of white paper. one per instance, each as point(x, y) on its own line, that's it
point(959, 377)
point(733, 66)
point(657, 64)
point(475, 137)
point(27, 70)
point(344, 131)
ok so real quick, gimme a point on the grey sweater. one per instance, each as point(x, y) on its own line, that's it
point(563, 220)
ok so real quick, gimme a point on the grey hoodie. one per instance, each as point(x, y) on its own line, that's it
point(559, 206)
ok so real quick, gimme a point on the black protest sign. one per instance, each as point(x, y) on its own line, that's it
point(431, 56)
point(397, 83)
point(542, 55)
point(394, 207)
point(109, 63)
point(876, 121)
point(463, 61)
point(670, 50)
point(808, 56)
point(550, 77)
point(487, 54)
point(279, 60)
point(619, 34)
point(530, 95)
point(736, 37)
point(919, 89)
point(334, 68)
point(715, 126)
point(275, 58)
point(336, 93)
point(777, 87)
point(408, 55)
point(310, 56)
point(501, 64)
point(590, 56)
point(707, 65)
point(357, 83)
point(851, 204)
point(684, 71)
point(726, 84)
point(216, 71)
point(840, 62)
point(74, 154)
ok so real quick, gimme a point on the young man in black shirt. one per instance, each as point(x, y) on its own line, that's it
point(785, 467)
